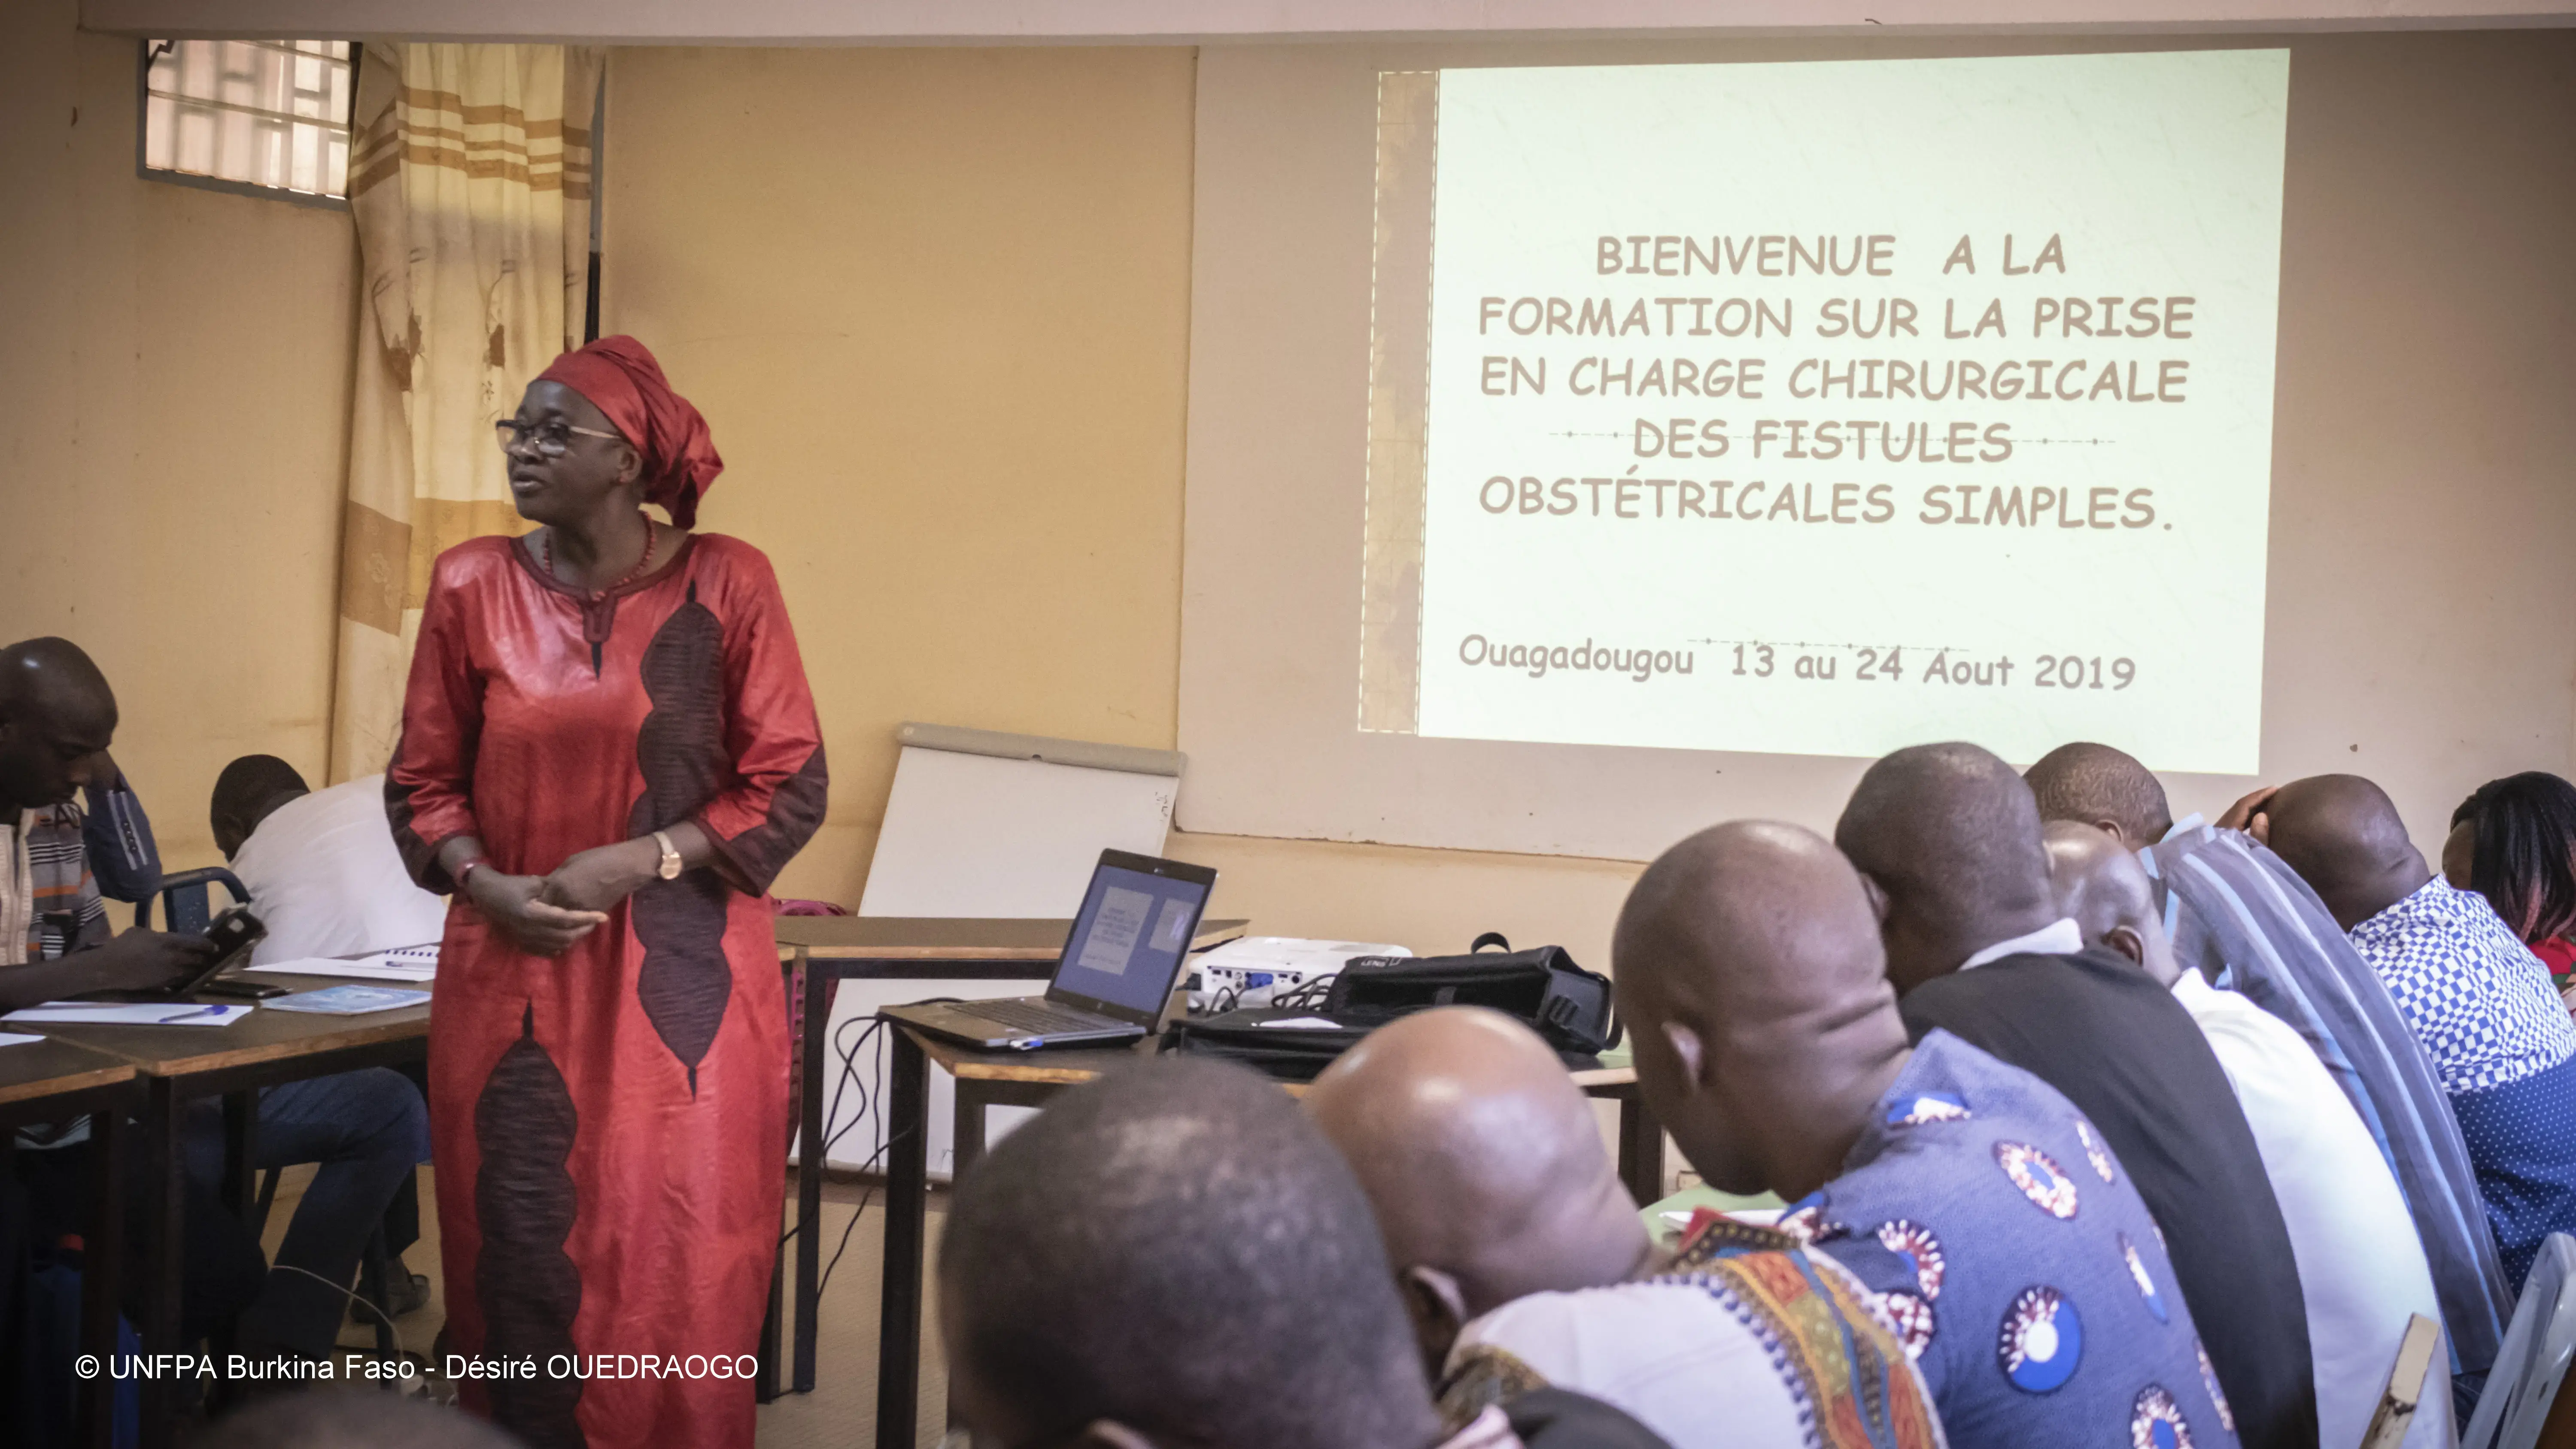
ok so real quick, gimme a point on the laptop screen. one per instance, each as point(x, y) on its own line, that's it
point(1128, 941)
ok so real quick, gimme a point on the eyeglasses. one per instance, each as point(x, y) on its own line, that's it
point(549, 439)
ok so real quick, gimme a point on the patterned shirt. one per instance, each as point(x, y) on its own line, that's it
point(1748, 1341)
point(54, 901)
point(2478, 1000)
point(2005, 1243)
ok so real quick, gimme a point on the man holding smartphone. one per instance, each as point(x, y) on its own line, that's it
point(366, 1129)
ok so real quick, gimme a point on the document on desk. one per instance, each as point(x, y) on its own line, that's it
point(349, 1000)
point(156, 1013)
point(411, 963)
point(16, 1038)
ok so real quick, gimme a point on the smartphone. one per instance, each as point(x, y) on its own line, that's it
point(241, 989)
point(234, 933)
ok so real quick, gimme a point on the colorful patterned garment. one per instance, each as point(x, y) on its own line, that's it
point(2240, 916)
point(610, 1125)
point(49, 906)
point(2475, 996)
point(2123, 1052)
point(54, 905)
point(1746, 1342)
point(2005, 1242)
point(2482, 1006)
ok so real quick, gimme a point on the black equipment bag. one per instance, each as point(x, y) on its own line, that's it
point(1570, 1008)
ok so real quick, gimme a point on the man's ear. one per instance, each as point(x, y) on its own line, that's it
point(1110, 1434)
point(2112, 829)
point(2127, 941)
point(1438, 1308)
point(1878, 902)
point(1689, 1051)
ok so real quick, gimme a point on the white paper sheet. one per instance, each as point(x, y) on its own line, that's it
point(390, 966)
point(13, 1038)
point(155, 1013)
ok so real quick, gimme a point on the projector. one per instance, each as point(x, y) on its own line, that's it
point(1258, 970)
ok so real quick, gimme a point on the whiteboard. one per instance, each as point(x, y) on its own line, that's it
point(984, 824)
point(980, 834)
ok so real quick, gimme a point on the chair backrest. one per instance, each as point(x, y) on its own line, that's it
point(2534, 1358)
point(185, 900)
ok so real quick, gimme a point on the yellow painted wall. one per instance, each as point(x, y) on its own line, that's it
point(935, 304)
point(176, 368)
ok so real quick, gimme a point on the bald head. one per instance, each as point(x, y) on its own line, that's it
point(2343, 835)
point(1950, 836)
point(1752, 977)
point(1177, 1250)
point(57, 717)
point(1482, 1159)
point(2106, 891)
point(2101, 787)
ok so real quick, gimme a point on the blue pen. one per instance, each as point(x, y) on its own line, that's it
point(183, 1016)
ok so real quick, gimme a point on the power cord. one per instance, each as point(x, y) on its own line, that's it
point(354, 1297)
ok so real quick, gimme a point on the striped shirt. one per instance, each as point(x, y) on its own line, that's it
point(53, 900)
point(2237, 913)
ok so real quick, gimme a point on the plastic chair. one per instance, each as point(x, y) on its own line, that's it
point(2533, 1361)
point(186, 903)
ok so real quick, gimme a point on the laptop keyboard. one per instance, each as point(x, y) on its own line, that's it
point(1037, 1016)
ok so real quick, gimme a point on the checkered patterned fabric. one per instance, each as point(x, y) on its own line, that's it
point(2477, 999)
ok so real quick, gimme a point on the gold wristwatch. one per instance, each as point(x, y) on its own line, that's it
point(670, 869)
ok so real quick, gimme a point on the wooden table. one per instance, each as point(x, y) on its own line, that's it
point(47, 1081)
point(1028, 1079)
point(178, 1064)
point(921, 948)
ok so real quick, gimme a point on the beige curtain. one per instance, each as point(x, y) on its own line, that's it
point(470, 182)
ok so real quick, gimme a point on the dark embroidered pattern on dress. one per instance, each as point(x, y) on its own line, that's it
point(795, 813)
point(685, 981)
point(525, 1202)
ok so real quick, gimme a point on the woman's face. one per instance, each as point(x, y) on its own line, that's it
point(557, 474)
point(2456, 852)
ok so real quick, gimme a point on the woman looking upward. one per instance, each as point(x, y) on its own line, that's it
point(608, 751)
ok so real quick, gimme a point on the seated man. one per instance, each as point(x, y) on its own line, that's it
point(1526, 1261)
point(2361, 1270)
point(367, 1129)
point(2238, 915)
point(1948, 838)
point(320, 864)
point(2480, 1004)
point(1174, 1256)
point(1999, 1231)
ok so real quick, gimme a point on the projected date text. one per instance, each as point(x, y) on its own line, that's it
point(1866, 664)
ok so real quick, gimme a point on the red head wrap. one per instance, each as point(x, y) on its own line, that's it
point(621, 379)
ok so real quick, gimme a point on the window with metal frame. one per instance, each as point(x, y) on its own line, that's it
point(266, 117)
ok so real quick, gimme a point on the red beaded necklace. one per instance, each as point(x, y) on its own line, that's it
point(547, 546)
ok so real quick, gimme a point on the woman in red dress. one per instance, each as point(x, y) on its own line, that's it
point(608, 751)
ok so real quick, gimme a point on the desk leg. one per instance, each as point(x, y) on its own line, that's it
point(810, 1166)
point(966, 1142)
point(241, 1149)
point(773, 1322)
point(906, 1210)
point(102, 1260)
point(1641, 1148)
point(165, 1246)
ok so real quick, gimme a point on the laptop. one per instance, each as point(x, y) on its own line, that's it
point(1120, 962)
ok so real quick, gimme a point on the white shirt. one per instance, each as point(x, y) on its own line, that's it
point(2361, 1267)
point(324, 876)
point(1673, 1355)
point(2061, 937)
